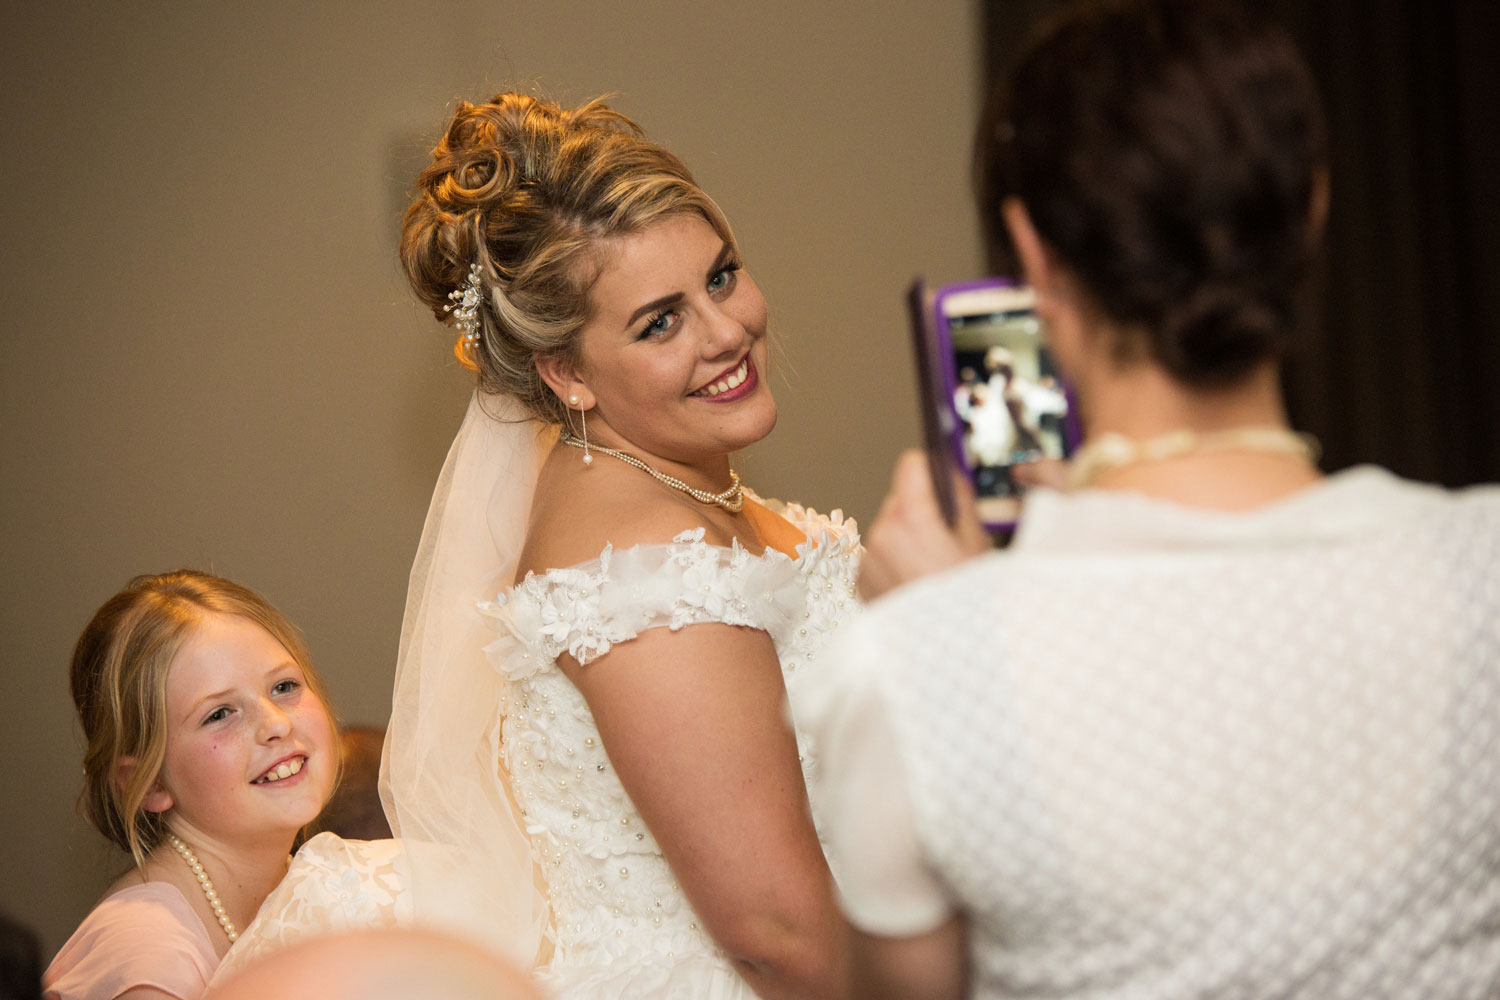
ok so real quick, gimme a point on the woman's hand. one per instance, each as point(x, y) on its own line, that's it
point(1049, 472)
point(909, 538)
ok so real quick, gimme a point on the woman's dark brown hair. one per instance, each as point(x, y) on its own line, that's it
point(1170, 153)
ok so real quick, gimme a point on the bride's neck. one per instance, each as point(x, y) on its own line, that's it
point(708, 472)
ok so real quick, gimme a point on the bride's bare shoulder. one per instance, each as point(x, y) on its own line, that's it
point(579, 510)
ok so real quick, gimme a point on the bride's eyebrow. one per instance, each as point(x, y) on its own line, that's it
point(655, 305)
point(726, 254)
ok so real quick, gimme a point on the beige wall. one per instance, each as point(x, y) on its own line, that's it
point(209, 357)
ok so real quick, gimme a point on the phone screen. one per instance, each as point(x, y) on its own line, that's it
point(1008, 402)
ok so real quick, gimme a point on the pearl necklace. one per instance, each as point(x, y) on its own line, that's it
point(1109, 452)
point(732, 499)
point(206, 884)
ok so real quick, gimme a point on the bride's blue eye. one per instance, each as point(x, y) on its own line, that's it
point(723, 278)
point(658, 324)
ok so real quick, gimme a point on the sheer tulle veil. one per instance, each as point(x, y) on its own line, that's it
point(470, 860)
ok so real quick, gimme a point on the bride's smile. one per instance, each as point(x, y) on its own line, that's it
point(742, 377)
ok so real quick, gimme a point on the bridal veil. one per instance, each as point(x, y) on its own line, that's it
point(471, 869)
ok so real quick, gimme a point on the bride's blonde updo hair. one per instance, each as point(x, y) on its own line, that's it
point(528, 189)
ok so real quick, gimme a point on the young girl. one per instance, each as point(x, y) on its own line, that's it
point(210, 745)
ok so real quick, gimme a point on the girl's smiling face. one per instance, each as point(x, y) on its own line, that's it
point(250, 752)
point(673, 358)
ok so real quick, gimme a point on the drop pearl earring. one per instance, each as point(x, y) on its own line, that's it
point(583, 415)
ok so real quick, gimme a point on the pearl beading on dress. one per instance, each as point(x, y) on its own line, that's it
point(207, 885)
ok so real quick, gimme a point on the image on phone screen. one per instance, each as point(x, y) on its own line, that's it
point(1009, 403)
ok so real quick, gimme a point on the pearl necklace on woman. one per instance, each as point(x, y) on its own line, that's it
point(206, 884)
point(1109, 452)
point(732, 499)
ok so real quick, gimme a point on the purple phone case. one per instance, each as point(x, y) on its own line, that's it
point(937, 422)
point(944, 349)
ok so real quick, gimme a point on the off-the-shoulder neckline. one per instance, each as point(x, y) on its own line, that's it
point(821, 533)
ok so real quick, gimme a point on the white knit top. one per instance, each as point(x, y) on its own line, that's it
point(1153, 751)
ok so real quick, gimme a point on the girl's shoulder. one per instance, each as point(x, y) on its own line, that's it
point(139, 935)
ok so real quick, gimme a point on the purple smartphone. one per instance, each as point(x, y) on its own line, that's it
point(992, 396)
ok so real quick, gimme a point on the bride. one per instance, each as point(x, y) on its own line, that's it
point(589, 757)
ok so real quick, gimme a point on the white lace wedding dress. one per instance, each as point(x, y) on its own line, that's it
point(620, 923)
point(620, 926)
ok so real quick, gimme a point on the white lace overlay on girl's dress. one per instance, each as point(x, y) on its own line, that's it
point(332, 885)
point(622, 926)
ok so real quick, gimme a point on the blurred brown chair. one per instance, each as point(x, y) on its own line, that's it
point(354, 812)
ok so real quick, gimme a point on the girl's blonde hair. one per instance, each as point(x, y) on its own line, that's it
point(119, 684)
point(527, 190)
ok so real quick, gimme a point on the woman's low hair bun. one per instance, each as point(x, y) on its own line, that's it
point(1172, 153)
point(1219, 334)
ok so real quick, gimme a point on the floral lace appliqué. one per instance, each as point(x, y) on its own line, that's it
point(616, 905)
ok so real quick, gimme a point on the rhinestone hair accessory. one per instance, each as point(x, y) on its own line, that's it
point(465, 308)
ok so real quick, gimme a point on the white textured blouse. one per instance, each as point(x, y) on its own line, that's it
point(1153, 751)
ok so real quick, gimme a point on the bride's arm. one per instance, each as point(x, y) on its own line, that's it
point(928, 966)
point(695, 724)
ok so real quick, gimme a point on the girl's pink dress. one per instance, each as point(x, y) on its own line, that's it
point(144, 935)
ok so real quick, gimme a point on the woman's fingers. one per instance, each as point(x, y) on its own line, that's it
point(909, 538)
point(1050, 472)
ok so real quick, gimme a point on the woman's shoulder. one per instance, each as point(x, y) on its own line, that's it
point(145, 934)
point(572, 527)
